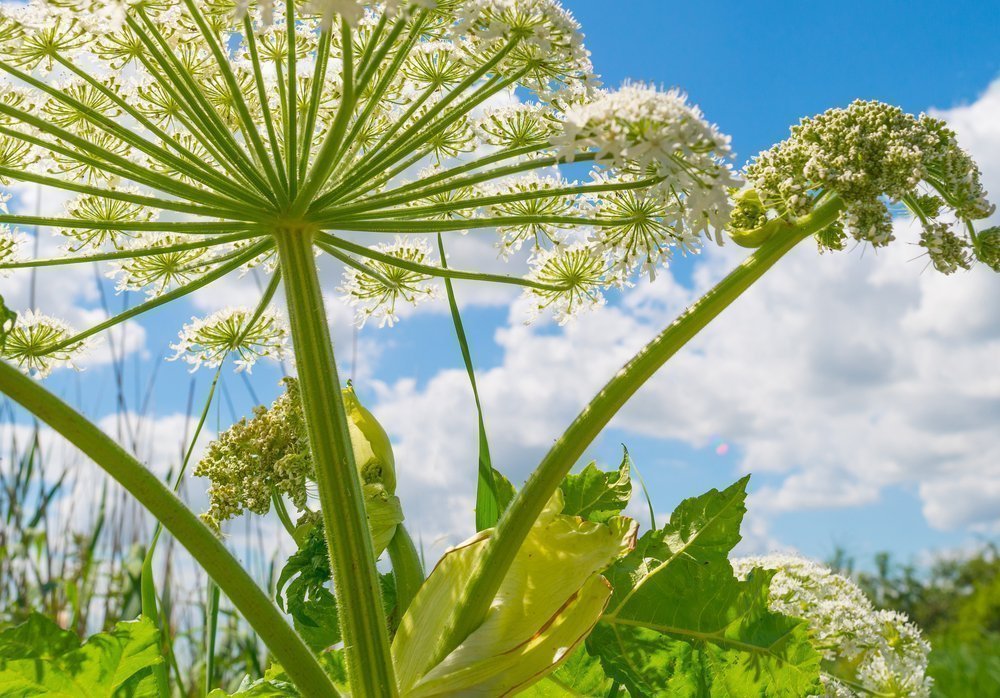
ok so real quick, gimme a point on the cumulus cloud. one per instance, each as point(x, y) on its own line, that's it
point(840, 375)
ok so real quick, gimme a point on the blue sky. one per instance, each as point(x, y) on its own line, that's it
point(754, 68)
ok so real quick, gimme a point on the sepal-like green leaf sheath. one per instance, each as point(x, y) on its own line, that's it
point(680, 623)
point(547, 604)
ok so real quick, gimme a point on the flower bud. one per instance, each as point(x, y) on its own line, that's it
point(987, 247)
point(372, 448)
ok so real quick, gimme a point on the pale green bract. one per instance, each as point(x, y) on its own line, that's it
point(547, 604)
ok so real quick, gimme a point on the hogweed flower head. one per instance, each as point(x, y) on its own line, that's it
point(38, 344)
point(238, 331)
point(577, 271)
point(198, 134)
point(268, 455)
point(865, 651)
point(238, 123)
point(379, 288)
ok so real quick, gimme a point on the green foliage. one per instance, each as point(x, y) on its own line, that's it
point(580, 675)
point(307, 598)
point(303, 591)
point(40, 658)
point(597, 495)
point(680, 623)
point(965, 668)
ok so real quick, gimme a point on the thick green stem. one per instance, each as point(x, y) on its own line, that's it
point(520, 516)
point(258, 609)
point(352, 560)
point(406, 569)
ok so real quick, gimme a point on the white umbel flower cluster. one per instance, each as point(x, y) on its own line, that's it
point(650, 132)
point(235, 332)
point(193, 127)
point(866, 651)
point(38, 344)
point(377, 291)
point(12, 243)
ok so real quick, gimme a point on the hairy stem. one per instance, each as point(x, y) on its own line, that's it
point(352, 560)
point(258, 609)
point(524, 509)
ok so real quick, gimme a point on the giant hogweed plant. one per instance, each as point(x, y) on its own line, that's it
point(201, 139)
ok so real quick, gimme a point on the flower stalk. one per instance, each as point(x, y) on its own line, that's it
point(341, 499)
point(517, 520)
point(255, 606)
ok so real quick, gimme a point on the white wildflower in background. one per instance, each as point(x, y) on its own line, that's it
point(377, 293)
point(866, 651)
point(38, 344)
point(233, 331)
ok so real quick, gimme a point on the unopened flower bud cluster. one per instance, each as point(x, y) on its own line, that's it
point(872, 155)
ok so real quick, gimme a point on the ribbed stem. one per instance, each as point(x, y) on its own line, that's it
point(520, 516)
point(352, 560)
point(255, 606)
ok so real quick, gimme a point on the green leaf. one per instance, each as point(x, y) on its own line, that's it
point(597, 495)
point(303, 591)
point(581, 675)
point(493, 490)
point(681, 624)
point(307, 599)
point(503, 489)
point(40, 658)
point(547, 603)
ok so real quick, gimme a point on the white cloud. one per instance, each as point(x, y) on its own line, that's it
point(978, 128)
point(842, 375)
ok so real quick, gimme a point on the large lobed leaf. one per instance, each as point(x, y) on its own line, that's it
point(597, 495)
point(680, 623)
point(38, 658)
